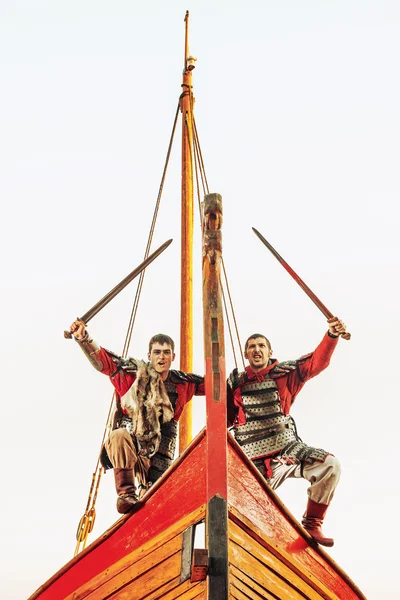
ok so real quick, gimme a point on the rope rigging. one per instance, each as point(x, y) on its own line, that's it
point(86, 522)
point(199, 165)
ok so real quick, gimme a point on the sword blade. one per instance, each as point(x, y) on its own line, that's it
point(325, 311)
point(120, 286)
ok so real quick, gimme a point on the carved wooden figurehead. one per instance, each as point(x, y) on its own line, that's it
point(212, 224)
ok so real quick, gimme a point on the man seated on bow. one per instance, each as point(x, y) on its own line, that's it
point(150, 399)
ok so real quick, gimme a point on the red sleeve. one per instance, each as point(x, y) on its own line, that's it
point(185, 393)
point(200, 390)
point(122, 381)
point(309, 366)
point(319, 359)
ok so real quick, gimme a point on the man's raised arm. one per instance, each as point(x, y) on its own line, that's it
point(89, 347)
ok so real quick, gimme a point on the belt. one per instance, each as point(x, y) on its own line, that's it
point(261, 436)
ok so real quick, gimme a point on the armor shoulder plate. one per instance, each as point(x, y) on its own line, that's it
point(130, 365)
point(304, 358)
point(284, 368)
point(115, 358)
point(236, 379)
point(181, 377)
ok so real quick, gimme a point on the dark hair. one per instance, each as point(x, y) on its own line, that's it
point(256, 335)
point(161, 338)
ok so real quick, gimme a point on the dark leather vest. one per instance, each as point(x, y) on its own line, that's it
point(164, 457)
point(169, 431)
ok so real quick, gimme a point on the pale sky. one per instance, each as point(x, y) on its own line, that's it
point(297, 108)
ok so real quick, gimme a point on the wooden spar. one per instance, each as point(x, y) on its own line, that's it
point(186, 330)
point(215, 384)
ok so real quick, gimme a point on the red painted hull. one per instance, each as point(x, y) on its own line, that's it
point(183, 490)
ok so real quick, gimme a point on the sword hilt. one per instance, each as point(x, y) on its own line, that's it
point(346, 335)
point(68, 335)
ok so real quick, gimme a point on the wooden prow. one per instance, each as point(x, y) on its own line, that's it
point(215, 384)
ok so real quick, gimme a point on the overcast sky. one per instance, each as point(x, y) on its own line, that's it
point(297, 108)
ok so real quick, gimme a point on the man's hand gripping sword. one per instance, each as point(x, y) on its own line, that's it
point(118, 288)
point(345, 334)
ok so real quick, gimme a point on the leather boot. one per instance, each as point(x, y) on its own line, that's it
point(125, 485)
point(312, 522)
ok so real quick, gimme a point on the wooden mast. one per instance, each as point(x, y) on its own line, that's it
point(215, 384)
point(186, 331)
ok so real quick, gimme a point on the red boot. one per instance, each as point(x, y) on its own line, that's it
point(312, 522)
point(126, 490)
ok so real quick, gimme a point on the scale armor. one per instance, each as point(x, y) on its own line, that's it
point(267, 431)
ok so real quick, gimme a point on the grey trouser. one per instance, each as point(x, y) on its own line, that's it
point(122, 453)
point(323, 476)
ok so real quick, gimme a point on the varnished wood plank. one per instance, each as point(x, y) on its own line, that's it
point(148, 563)
point(280, 561)
point(186, 591)
point(264, 576)
point(162, 591)
point(149, 581)
point(196, 592)
point(247, 594)
point(242, 581)
point(137, 554)
point(153, 566)
point(201, 596)
point(235, 594)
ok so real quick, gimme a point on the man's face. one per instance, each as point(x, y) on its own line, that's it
point(258, 353)
point(161, 357)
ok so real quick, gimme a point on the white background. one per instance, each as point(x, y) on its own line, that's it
point(297, 107)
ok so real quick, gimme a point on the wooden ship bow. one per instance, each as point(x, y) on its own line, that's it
point(210, 528)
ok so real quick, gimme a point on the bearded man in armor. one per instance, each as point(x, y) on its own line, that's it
point(150, 399)
point(259, 402)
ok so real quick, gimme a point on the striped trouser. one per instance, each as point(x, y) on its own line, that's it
point(323, 477)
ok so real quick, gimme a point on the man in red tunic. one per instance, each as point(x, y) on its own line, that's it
point(123, 451)
point(259, 402)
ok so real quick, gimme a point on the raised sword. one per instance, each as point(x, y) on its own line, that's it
point(119, 287)
point(325, 311)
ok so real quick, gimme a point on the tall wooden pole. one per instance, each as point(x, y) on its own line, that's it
point(186, 333)
point(215, 383)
